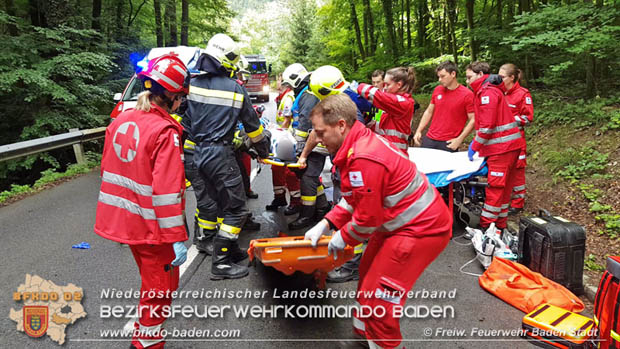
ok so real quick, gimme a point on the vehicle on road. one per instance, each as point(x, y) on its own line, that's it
point(258, 83)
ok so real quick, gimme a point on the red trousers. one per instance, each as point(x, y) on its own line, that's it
point(518, 190)
point(247, 163)
point(389, 268)
point(501, 179)
point(283, 178)
point(158, 278)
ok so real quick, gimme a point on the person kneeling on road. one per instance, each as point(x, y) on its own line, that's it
point(387, 201)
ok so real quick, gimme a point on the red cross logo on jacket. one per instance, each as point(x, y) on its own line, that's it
point(126, 141)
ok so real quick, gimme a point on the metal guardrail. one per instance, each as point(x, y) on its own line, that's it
point(75, 137)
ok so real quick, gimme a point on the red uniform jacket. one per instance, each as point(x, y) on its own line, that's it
point(141, 200)
point(383, 191)
point(395, 124)
point(497, 132)
point(520, 103)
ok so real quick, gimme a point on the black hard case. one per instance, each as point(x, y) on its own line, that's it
point(554, 247)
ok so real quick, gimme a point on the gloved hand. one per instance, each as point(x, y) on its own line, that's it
point(180, 252)
point(354, 85)
point(262, 147)
point(336, 244)
point(315, 233)
point(471, 151)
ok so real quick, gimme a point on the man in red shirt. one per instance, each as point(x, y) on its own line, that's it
point(386, 201)
point(451, 110)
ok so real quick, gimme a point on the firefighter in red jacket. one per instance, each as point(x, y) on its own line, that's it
point(397, 104)
point(497, 138)
point(520, 102)
point(387, 201)
point(141, 202)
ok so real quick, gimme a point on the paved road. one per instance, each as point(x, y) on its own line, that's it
point(37, 234)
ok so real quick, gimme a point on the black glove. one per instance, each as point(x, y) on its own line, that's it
point(494, 79)
point(262, 147)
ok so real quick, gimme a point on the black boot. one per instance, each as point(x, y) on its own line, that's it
point(197, 232)
point(279, 200)
point(322, 211)
point(251, 224)
point(222, 266)
point(294, 207)
point(347, 272)
point(515, 210)
point(236, 253)
point(251, 195)
point(305, 219)
point(205, 243)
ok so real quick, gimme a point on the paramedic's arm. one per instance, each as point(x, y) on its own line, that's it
point(311, 142)
point(426, 118)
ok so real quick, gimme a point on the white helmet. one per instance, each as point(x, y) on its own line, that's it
point(283, 145)
point(223, 48)
point(294, 74)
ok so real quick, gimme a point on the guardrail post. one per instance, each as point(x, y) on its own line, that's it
point(78, 149)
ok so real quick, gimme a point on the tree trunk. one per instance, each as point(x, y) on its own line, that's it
point(469, 4)
point(158, 31)
point(401, 25)
point(452, 18)
point(511, 11)
point(371, 28)
point(365, 30)
point(590, 80)
point(10, 10)
point(356, 27)
point(118, 31)
point(171, 14)
point(58, 13)
point(96, 18)
point(499, 12)
point(166, 23)
point(389, 27)
point(409, 24)
point(423, 18)
point(184, 22)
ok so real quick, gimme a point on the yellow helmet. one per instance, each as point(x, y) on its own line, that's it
point(327, 80)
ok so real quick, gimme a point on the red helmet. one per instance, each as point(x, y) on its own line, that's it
point(169, 72)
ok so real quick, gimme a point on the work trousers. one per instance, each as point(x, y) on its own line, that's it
point(500, 180)
point(159, 279)
point(220, 171)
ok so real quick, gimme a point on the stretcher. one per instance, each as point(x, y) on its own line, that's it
point(553, 327)
point(277, 162)
point(443, 169)
point(294, 253)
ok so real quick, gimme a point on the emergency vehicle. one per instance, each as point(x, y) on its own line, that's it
point(129, 97)
point(258, 83)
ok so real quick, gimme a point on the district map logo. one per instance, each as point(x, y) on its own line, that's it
point(47, 308)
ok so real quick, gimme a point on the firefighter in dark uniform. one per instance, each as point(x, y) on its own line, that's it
point(215, 105)
point(313, 200)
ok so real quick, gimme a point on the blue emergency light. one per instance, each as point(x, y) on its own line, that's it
point(139, 62)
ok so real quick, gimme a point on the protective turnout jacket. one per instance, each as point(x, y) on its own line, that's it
point(216, 103)
point(497, 132)
point(141, 200)
point(383, 191)
point(395, 124)
point(520, 103)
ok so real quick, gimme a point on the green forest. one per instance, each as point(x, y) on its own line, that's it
point(62, 61)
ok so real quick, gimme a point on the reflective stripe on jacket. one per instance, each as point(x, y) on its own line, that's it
point(383, 191)
point(141, 200)
point(497, 132)
point(395, 124)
